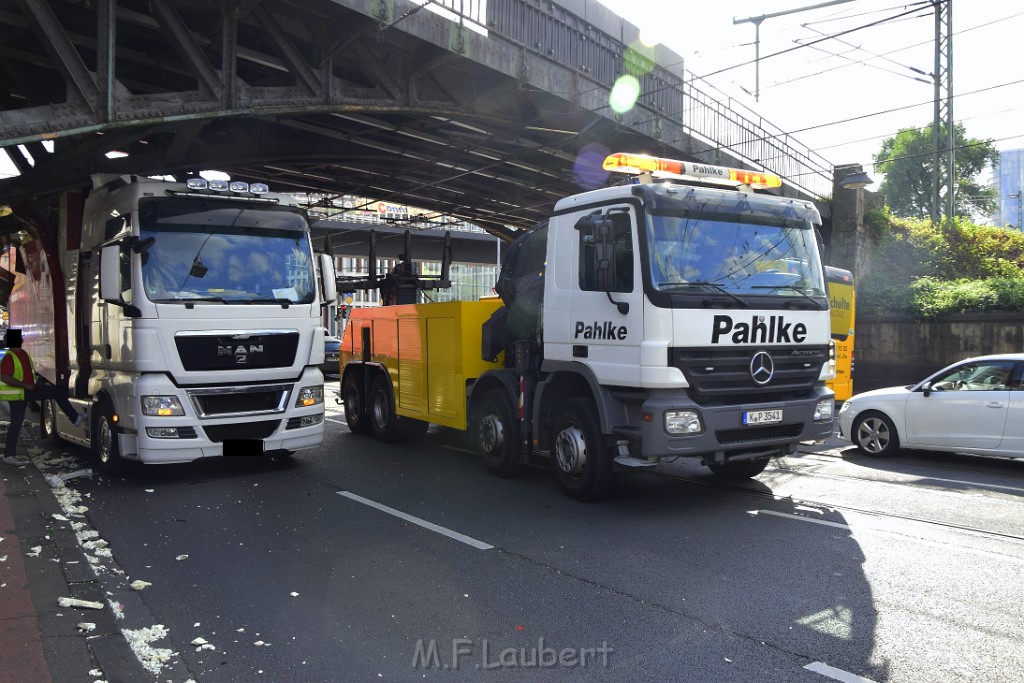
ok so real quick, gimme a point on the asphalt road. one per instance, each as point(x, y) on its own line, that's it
point(829, 566)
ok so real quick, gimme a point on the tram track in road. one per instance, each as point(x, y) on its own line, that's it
point(844, 508)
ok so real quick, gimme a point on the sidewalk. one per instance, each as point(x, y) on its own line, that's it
point(40, 642)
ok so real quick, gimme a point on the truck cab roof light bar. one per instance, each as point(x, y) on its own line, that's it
point(233, 186)
point(658, 167)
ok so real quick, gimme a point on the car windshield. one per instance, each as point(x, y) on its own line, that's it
point(207, 250)
point(733, 254)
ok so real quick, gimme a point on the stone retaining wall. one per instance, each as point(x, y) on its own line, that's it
point(890, 351)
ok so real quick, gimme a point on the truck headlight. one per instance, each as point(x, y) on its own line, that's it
point(823, 413)
point(829, 369)
point(161, 406)
point(310, 396)
point(683, 422)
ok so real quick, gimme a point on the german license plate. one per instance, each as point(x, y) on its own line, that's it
point(762, 417)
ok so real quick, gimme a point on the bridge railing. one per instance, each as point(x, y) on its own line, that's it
point(553, 32)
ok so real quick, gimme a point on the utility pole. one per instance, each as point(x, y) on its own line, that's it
point(943, 125)
point(1019, 196)
point(756, 21)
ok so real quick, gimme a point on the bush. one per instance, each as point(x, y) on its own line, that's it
point(924, 271)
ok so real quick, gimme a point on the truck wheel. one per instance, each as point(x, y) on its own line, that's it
point(875, 434)
point(740, 469)
point(582, 457)
point(104, 442)
point(497, 434)
point(355, 404)
point(382, 411)
point(48, 421)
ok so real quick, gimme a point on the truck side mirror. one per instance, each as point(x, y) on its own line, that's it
point(110, 274)
point(328, 279)
point(112, 285)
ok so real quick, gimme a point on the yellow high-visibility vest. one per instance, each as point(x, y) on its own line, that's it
point(8, 392)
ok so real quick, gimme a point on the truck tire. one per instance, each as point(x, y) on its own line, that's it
point(582, 457)
point(105, 446)
point(48, 422)
point(496, 434)
point(354, 400)
point(382, 411)
point(739, 469)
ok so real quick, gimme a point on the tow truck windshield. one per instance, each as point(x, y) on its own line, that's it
point(199, 250)
point(733, 255)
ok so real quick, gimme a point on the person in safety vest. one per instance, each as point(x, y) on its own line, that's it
point(18, 386)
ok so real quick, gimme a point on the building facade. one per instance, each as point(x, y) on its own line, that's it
point(1009, 182)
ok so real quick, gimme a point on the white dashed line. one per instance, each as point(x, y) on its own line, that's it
point(462, 538)
point(799, 518)
point(836, 674)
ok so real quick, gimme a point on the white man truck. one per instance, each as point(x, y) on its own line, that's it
point(640, 322)
point(185, 319)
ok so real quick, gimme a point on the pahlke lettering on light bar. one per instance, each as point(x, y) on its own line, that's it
point(637, 164)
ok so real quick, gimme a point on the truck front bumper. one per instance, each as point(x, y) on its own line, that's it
point(203, 433)
point(724, 435)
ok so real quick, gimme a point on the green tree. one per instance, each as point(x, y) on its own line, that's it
point(907, 160)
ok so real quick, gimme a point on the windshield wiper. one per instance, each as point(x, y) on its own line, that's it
point(714, 286)
point(193, 299)
point(275, 300)
point(774, 288)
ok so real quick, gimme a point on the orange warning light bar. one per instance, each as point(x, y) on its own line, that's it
point(637, 164)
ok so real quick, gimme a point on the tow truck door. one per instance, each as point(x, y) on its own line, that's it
point(597, 318)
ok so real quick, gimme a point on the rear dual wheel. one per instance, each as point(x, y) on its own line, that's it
point(385, 423)
point(497, 434)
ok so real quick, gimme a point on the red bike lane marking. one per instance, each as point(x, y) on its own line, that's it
point(21, 645)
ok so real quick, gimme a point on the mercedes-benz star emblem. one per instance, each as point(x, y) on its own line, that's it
point(762, 367)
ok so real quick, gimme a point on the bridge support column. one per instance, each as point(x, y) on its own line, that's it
point(850, 243)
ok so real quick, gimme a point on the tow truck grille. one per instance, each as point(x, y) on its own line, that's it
point(722, 376)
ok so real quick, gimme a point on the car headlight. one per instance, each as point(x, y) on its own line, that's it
point(846, 406)
point(683, 422)
point(161, 406)
point(310, 396)
point(823, 412)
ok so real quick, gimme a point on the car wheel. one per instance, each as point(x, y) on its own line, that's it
point(875, 434)
point(582, 456)
point(740, 469)
point(105, 446)
point(355, 404)
point(497, 435)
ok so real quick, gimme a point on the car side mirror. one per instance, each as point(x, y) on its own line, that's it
point(926, 389)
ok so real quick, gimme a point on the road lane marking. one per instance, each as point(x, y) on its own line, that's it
point(973, 483)
point(799, 518)
point(462, 538)
point(836, 674)
point(339, 422)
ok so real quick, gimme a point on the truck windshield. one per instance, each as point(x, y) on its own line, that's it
point(733, 255)
point(195, 249)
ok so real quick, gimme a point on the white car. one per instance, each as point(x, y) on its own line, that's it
point(975, 406)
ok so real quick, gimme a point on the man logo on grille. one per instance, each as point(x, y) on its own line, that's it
point(240, 352)
point(762, 368)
